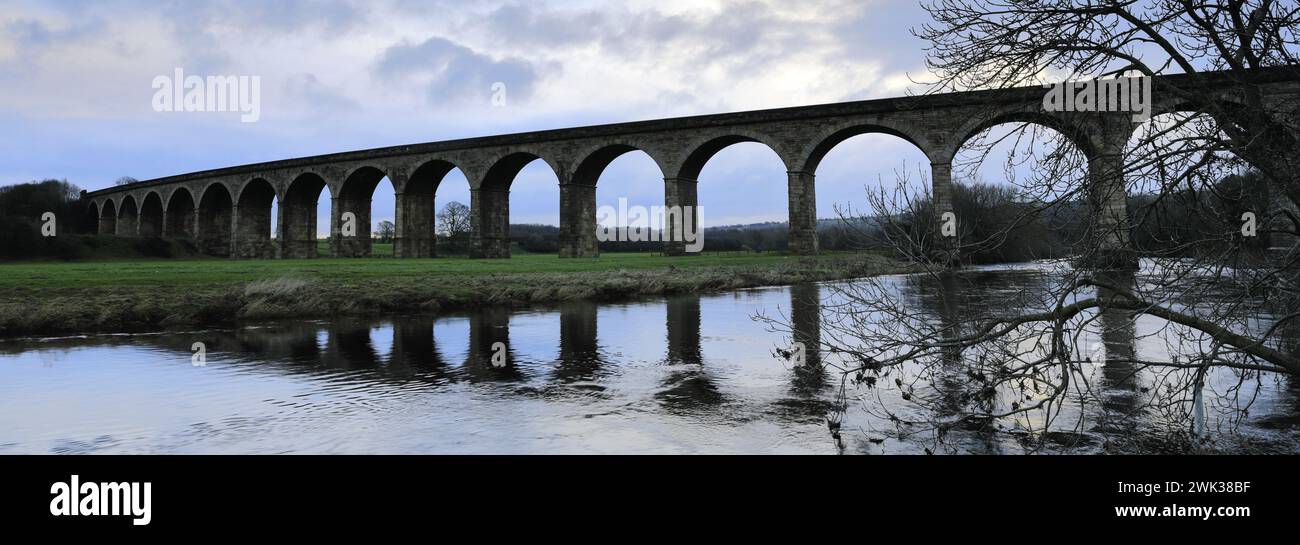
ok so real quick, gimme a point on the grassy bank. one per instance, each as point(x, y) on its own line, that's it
point(136, 295)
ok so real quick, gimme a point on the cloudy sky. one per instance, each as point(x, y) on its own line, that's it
point(76, 85)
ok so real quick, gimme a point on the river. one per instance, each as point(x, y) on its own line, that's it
point(682, 374)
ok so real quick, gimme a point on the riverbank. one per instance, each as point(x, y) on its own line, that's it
point(149, 295)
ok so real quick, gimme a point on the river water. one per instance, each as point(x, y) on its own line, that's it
point(683, 374)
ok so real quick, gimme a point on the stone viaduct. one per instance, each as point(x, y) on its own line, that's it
point(227, 211)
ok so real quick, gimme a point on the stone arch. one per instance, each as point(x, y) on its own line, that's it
point(215, 213)
point(1190, 109)
point(350, 215)
point(490, 203)
point(428, 175)
point(700, 151)
point(298, 212)
point(360, 181)
point(1095, 136)
point(128, 217)
point(593, 162)
point(1100, 138)
point(874, 143)
point(502, 172)
point(252, 223)
point(578, 196)
point(106, 211)
point(1075, 134)
point(803, 238)
point(416, 213)
point(681, 191)
point(1186, 137)
point(827, 140)
point(151, 215)
point(180, 213)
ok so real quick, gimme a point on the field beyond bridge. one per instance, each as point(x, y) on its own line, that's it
point(147, 295)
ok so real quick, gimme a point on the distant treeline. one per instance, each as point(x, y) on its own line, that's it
point(1189, 222)
point(21, 209)
point(999, 226)
point(758, 237)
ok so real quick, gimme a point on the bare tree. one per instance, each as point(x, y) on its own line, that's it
point(386, 232)
point(125, 180)
point(454, 225)
point(1190, 340)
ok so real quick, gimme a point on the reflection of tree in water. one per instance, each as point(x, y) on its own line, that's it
point(1291, 343)
point(688, 386)
point(948, 300)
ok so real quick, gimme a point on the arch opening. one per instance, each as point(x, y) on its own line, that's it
point(216, 209)
point(420, 222)
point(180, 215)
point(253, 225)
point(1058, 131)
point(863, 178)
point(128, 217)
point(615, 192)
point(107, 213)
point(830, 142)
point(1188, 194)
point(352, 230)
point(151, 215)
point(1026, 190)
point(299, 218)
point(490, 206)
point(735, 177)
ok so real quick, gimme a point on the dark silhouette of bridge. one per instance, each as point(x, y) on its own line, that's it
point(227, 211)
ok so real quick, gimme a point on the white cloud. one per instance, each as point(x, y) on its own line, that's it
point(349, 74)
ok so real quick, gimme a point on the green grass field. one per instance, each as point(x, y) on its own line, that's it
point(379, 249)
point(50, 297)
point(26, 276)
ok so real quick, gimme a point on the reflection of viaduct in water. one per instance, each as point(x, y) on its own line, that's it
point(347, 346)
point(1118, 336)
point(580, 356)
point(805, 323)
point(955, 299)
point(228, 211)
point(942, 300)
point(688, 385)
point(489, 326)
point(414, 343)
